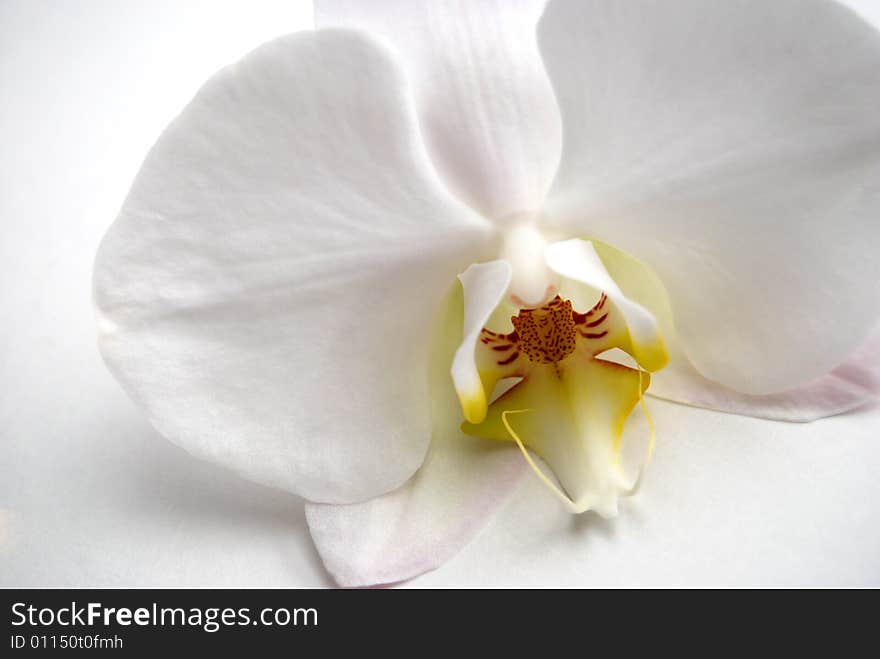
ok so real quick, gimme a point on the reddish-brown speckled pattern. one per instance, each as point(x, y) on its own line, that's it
point(546, 334)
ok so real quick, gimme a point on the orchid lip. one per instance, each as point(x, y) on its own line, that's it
point(569, 404)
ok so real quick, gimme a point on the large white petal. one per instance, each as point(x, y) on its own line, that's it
point(485, 103)
point(428, 520)
point(735, 148)
point(268, 288)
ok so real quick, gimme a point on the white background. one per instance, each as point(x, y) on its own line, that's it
point(91, 495)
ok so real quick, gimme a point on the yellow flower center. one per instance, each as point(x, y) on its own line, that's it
point(571, 406)
point(559, 383)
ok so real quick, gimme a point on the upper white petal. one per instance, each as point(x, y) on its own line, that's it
point(485, 104)
point(735, 148)
point(268, 288)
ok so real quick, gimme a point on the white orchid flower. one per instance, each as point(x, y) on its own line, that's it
point(690, 182)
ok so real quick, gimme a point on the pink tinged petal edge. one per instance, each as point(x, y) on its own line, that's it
point(268, 288)
point(485, 103)
point(423, 524)
point(853, 384)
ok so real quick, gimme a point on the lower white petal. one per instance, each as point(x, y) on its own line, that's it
point(424, 523)
point(854, 383)
point(851, 385)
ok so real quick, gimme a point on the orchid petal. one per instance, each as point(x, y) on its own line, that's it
point(853, 384)
point(735, 149)
point(485, 104)
point(420, 526)
point(269, 286)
